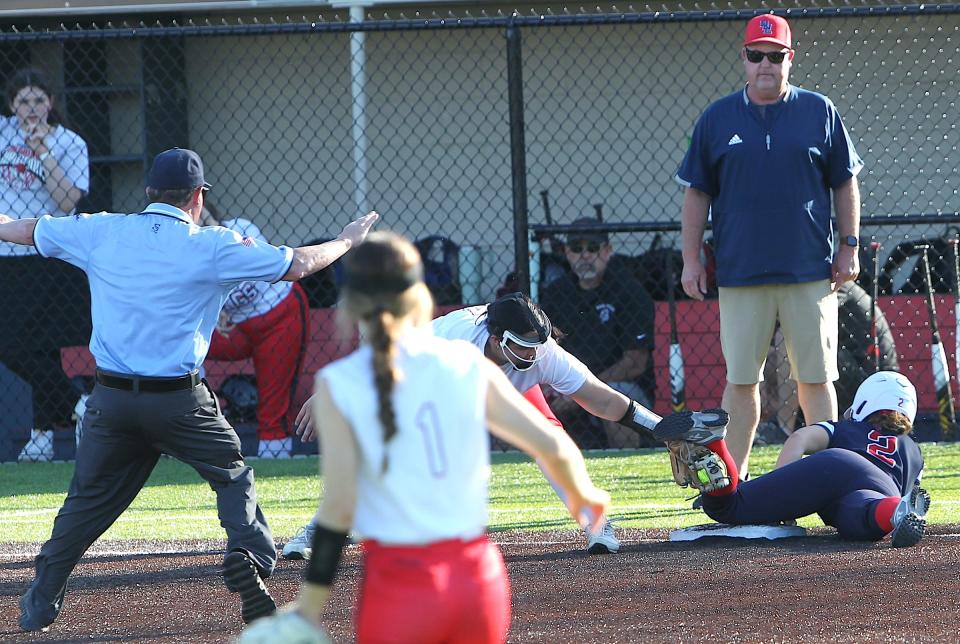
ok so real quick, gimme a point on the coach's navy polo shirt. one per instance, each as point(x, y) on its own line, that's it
point(157, 282)
point(769, 179)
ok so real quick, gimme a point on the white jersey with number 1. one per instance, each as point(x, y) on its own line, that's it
point(438, 463)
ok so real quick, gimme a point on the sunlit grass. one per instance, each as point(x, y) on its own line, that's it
point(177, 504)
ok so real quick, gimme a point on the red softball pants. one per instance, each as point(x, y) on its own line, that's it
point(450, 591)
point(276, 341)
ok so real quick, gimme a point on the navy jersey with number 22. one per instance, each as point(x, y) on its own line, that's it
point(897, 455)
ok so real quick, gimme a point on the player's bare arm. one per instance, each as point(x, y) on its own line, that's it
point(301, 619)
point(693, 221)
point(307, 260)
point(806, 440)
point(602, 401)
point(511, 418)
point(599, 399)
point(18, 231)
point(335, 515)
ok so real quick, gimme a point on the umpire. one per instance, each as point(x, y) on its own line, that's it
point(157, 284)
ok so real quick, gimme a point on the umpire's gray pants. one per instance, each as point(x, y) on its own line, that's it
point(124, 433)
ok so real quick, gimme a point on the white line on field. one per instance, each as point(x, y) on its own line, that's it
point(525, 542)
point(145, 514)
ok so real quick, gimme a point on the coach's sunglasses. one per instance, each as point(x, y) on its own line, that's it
point(775, 57)
point(590, 247)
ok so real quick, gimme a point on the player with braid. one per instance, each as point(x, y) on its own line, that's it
point(405, 420)
point(862, 476)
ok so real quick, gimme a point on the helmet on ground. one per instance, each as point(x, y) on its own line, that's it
point(885, 391)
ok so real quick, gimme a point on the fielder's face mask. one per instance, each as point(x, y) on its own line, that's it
point(512, 317)
point(526, 361)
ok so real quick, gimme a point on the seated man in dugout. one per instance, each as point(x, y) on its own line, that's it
point(606, 320)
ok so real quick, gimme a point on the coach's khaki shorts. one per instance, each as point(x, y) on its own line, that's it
point(808, 318)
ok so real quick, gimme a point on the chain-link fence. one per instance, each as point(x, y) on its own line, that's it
point(464, 132)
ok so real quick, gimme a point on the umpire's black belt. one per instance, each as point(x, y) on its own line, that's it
point(148, 384)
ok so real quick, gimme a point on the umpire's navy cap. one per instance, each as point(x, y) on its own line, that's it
point(176, 169)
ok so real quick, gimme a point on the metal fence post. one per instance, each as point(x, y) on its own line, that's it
point(518, 159)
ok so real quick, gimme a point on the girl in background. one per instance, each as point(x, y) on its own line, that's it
point(44, 170)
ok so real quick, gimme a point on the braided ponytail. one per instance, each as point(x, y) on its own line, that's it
point(384, 291)
point(381, 335)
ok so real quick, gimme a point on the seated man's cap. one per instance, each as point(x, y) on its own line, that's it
point(597, 235)
point(176, 169)
point(518, 314)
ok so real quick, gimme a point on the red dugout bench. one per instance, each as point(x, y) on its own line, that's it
point(698, 324)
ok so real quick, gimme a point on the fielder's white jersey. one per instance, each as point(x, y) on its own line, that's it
point(438, 462)
point(555, 367)
point(250, 299)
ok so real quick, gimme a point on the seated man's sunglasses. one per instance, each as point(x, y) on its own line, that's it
point(775, 57)
point(579, 247)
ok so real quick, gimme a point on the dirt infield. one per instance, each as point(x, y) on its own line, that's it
point(811, 589)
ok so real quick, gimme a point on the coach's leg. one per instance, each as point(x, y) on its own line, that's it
point(203, 439)
point(748, 316)
point(808, 316)
point(113, 463)
point(818, 401)
point(742, 402)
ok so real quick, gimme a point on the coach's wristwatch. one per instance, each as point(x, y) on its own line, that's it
point(850, 240)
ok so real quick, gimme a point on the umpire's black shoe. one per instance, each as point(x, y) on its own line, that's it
point(30, 620)
point(240, 575)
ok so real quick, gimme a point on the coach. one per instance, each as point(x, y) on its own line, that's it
point(157, 283)
point(763, 162)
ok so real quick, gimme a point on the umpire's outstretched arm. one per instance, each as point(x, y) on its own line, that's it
point(306, 259)
point(310, 259)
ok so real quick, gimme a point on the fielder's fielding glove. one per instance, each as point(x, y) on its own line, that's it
point(286, 627)
point(697, 467)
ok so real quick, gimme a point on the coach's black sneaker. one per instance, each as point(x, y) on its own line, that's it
point(909, 519)
point(698, 427)
point(240, 575)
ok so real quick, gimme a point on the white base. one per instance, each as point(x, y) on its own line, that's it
point(738, 532)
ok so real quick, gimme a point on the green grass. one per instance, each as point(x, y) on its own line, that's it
point(177, 504)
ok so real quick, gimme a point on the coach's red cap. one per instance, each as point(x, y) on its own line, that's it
point(768, 28)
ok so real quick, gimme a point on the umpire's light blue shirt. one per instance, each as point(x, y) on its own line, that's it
point(157, 282)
